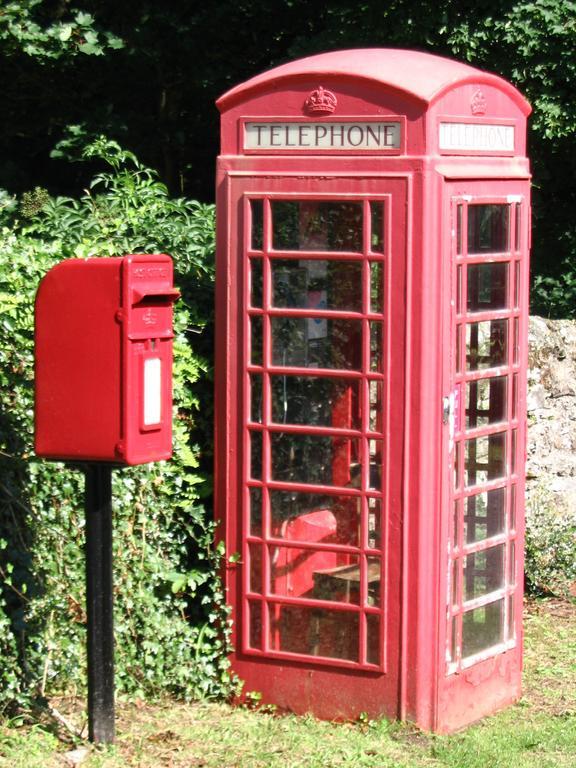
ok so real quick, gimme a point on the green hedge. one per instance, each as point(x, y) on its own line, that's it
point(171, 624)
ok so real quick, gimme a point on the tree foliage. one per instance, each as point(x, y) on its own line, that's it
point(171, 626)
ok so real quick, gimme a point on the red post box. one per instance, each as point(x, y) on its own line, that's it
point(103, 352)
point(372, 299)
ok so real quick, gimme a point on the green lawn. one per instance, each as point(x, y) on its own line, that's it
point(538, 732)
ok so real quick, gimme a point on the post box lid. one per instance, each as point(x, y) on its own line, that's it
point(424, 76)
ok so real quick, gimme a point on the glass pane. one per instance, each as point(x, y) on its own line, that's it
point(257, 211)
point(458, 349)
point(317, 284)
point(482, 628)
point(453, 635)
point(376, 347)
point(459, 229)
point(483, 572)
point(255, 568)
point(518, 209)
point(314, 517)
point(256, 340)
point(488, 228)
point(256, 283)
point(486, 401)
point(485, 515)
point(376, 421)
point(512, 507)
point(315, 225)
point(314, 459)
point(374, 577)
point(315, 632)
point(374, 522)
point(512, 564)
point(456, 524)
point(316, 343)
point(376, 450)
point(516, 343)
point(459, 289)
point(376, 286)
point(255, 512)
point(485, 458)
point(256, 399)
point(487, 287)
point(316, 575)
point(256, 455)
point(377, 227)
point(255, 624)
point(517, 285)
point(486, 344)
point(323, 402)
point(511, 619)
point(373, 643)
point(457, 470)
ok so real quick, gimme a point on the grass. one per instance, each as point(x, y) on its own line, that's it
point(539, 732)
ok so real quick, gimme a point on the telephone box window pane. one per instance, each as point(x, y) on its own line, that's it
point(316, 343)
point(512, 564)
point(485, 458)
point(486, 344)
point(256, 399)
point(316, 632)
point(255, 511)
point(518, 209)
point(256, 340)
point(257, 214)
point(512, 507)
point(373, 638)
point(485, 515)
point(255, 624)
point(255, 570)
point(376, 422)
point(377, 227)
point(482, 628)
point(487, 287)
point(317, 401)
point(376, 346)
point(488, 228)
point(456, 524)
point(313, 459)
point(374, 522)
point(486, 401)
point(317, 284)
point(256, 283)
point(459, 229)
point(376, 450)
point(315, 518)
point(320, 575)
point(511, 619)
point(315, 225)
point(256, 455)
point(483, 572)
point(374, 576)
point(376, 286)
point(517, 285)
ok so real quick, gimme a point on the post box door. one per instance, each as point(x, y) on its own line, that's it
point(321, 412)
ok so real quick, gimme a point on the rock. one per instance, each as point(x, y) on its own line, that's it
point(551, 403)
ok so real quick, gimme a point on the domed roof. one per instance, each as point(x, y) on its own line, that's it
point(423, 76)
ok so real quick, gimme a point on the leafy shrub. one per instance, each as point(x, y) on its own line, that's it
point(170, 622)
point(550, 564)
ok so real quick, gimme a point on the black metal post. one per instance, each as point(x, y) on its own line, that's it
point(99, 602)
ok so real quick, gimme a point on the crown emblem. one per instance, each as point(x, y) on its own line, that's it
point(478, 103)
point(150, 317)
point(320, 102)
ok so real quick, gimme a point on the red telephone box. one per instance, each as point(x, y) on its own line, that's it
point(372, 295)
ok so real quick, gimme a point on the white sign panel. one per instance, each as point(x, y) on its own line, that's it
point(326, 135)
point(152, 391)
point(476, 137)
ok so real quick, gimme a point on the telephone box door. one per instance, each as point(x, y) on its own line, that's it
point(319, 415)
point(484, 487)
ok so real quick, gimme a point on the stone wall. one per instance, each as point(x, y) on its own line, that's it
point(551, 465)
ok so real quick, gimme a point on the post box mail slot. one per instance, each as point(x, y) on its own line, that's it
point(103, 359)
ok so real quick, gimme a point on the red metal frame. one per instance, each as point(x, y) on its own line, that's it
point(290, 561)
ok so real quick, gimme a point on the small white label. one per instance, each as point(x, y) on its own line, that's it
point(476, 137)
point(327, 135)
point(152, 391)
